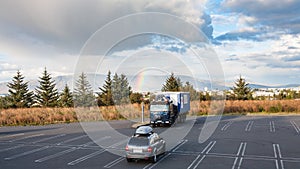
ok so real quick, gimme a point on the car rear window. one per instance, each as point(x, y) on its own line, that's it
point(139, 141)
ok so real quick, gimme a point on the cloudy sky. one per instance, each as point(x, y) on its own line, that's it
point(258, 39)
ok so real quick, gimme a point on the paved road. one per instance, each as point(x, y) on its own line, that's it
point(244, 142)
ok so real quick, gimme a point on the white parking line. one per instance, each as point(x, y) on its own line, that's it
point(194, 161)
point(208, 145)
point(296, 127)
point(116, 161)
point(96, 141)
point(281, 163)
point(79, 160)
point(234, 163)
point(72, 139)
point(211, 147)
point(11, 148)
point(199, 162)
point(55, 155)
point(241, 152)
point(179, 145)
point(26, 153)
point(49, 138)
point(118, 144)
point(12, 135)
point(274, 150)
point(240, 148)
point(276, 164)
point(249, 126)
point(155, 164)
point(23, 138)
point(244, 149)
point(277, 154)
point(225, 127)
point(272, 126)
point(206, 150)
point(68, 150)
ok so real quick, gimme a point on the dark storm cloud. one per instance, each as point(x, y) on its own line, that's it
point(282, 15)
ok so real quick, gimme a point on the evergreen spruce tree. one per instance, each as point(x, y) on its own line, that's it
point(66, 98)
point(4, 102)
point(116, 89)
point(46, 93)
point(121, 89)
point(19, 94)
point(241, 89)
point(83, 92)
point(193, 93)
point(125, 90)
point(105, 97)
point(172, 84)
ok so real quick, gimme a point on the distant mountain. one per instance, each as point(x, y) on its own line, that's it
point(257, 86)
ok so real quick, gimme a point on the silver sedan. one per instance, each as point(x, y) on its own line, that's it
point(145, 145)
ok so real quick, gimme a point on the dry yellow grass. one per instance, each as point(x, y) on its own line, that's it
point(36, 116)
point(42, 116)
point(248, 106)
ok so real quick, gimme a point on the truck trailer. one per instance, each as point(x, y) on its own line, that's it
point(169, 107)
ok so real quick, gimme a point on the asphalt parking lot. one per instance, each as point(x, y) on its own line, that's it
point(239, 142)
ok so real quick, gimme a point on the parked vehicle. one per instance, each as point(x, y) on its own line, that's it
point(145, 144)
point(169, 107)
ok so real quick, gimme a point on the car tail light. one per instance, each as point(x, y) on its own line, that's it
point(149, 149)
point(126, 148)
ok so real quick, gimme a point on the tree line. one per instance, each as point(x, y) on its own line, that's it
point(115, 91)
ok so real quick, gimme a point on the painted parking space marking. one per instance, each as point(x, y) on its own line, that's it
point(55, 155)
point(249, 126)
point(81, 159)
point(278, 156)
point(181, 143)
point(296, 127)
point(46, 158)
point(72, 139)
point(96, 141)
point(113, 163)
point(225, 127)
point(26, 153)
point(115, 145)
point(12, 135)
point(205, 151)
point(272, 126)
point(239, 155)
point(11, 148)
point(155, 164)
point(23, 138)
point(150, 166)
point(49, 138)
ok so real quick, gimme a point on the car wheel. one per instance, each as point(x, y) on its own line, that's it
point(129, 160)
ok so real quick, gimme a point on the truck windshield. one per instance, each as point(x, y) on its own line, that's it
point(159, 108)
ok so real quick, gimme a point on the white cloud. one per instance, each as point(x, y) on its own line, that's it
point(36, 34)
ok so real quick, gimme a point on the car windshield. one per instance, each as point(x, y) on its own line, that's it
point(139, 141)
point(159, 108)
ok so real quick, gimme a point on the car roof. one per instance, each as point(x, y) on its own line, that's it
point(144, 130)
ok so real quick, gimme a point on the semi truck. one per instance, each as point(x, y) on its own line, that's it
point(166, 108)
